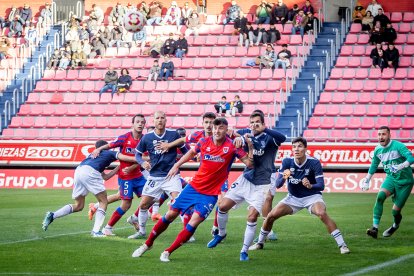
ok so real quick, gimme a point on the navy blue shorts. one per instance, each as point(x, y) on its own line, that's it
point(127, 188)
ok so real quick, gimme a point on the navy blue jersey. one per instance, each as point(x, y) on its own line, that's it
point(161, 163)
point(104, 159)
point(311, 169)
point(266, 145)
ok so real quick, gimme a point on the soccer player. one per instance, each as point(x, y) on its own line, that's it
point(305, 184)
point(396, 159)
point(217, 155)
point(252, 185)
point(89, 177)
point(159, 165)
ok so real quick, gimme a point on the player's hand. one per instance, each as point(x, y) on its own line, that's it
point(128, 170)
point(397, 168)
point(172, 172)
point(364, 185)
point(238, 142)
point(286, 174)
point(146, 165)
point(163, 146)
point(95, 153)
point(248, 139)
point(306, 183)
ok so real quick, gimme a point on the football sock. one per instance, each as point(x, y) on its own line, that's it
point(182, 238)
point(336, 234)
point(215, 218)
point(142, 220)
point(249, 235)
point(64, 211)
point(96, 205)
point(186, 219)
point(222, 219)
point(262, 236)
point(99, 219)
point(159, 227)
point(116, 215)
point(378, 207)
point(397, 217)
point(155, 208)
point(136, 212)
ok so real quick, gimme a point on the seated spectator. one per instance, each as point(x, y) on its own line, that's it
point(311, 22)
point(283, 58)
point(144, 9)
point(54, 60)
point(382, 61)
point(255, 36)
point(105, 33)
point(376, 34)
point(240, 28)
point(116, 36)
point(155, 47)
point(167, 68)
point(169, 46)
point(299, 22)
point(154, 15)
point(124, 81)
point(292, 13)
point(358, 13)
point(74, 21)
point(72, 35)
point(280, 13)
point(222, 107)
point(26, 14)
point(263, 13)
point(381, 17)
point(45, 18)
point(154, 71)
point(78, 59)
point(16, 27)
point(65, 58)
point(12, 14)
point(98, 46)
point(272, 35)
point(193, 24)
point(375, 55)
point(268, 57)
point(84, 32)
point(140, 38)
point(86, 48)
point(111, 79)
point(117, 14)
point(173, 15)
point(308, 7)
point(389, 35)
point(181, 46)
point(374, 7)
point(4, 47)
point(367, 22)
point(236, 106)
point(232, 13)
point(97, 14)
point(392, 56)
point(186, 13)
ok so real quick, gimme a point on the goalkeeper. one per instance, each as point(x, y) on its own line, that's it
point(396, 159)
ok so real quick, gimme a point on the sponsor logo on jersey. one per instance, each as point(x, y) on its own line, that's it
point(259, 152)
point(213, 158)
point(130, 150)
point(294, 180)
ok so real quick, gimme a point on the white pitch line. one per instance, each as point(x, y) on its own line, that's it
point(381, 265)
point(54, 273)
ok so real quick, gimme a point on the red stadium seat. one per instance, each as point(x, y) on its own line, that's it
point(341, 122)
point(395, 122)
point(408, 17)
point(361, 73)
point(354, 122)
point(351, 39)
point(368, 123)
point(400, 110)
point(328, 122)
point(355, 28)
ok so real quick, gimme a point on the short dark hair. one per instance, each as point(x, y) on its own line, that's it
point(224, 97)
point(100, 143)
point(295, 6)
point(385, 127)
point(258, 114)
point(181, 131)
point(300, 140)
point(258, 111)
point(137, 115)
point(209, 115)
point(220, 121)
point(284, 45)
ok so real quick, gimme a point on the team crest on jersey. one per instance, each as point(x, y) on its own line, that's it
point(292, 169)
point(226, 149)
point(306, 171)
point(130, 150)
point(263, 143)
point(208, 149)
point(128, 142)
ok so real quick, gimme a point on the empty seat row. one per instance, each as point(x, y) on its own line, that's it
point(360, 122)
point(353, 135)
point(376, 109)
point(369, 85)
point(366, 97)
point(401, 27)
point(366, 61)
point(364, 39)
point(372, 73)
point(365, 50)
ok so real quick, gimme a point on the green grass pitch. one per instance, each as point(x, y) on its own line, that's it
point(304, 246)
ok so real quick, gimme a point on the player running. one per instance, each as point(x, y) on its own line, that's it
point(396, 159)
point(305, 184)
point(217, 153)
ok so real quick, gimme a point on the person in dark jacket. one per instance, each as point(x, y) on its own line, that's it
point(375, 55)
point(292, 12)
point(280, 12)
point(392, 56)
point(169, 46)
point(26, 14)
point(181, 46)
point(389, 35)
point(272, 35)
point(381, 17)
point(236, 106)
point(124, 81)
point(111, 79)
point(16, 27)
point(167, 68)
point(54, 60)
point(255, 35)
point(240, 28)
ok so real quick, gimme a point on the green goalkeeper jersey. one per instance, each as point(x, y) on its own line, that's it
point(394, 153)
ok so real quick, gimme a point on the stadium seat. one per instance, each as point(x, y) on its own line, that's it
point(404, 28)
point(351, 39)
point(354, 122)
point(395, 122)
point(361, 73)
point(400, 110)
point(339, 97)
point(396, 17)
point(348, 73)
point(341, 122)
point(408, 17)
point(355, 28)
point(373, 110)
point(368, 123)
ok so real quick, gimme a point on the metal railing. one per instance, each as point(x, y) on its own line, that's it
point(6, 111)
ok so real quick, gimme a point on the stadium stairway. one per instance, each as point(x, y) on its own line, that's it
point(300, 90)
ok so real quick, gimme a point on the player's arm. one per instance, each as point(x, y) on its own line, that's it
point(97, 151)
point(248, 159)
point(372, 169)
point(283, 174)
point(409, 159)
point(106, 176)
point(166, 146)
point(126, 158)
point(138, 155)
point(128, 170)
point(187, 157)
point(278, 137)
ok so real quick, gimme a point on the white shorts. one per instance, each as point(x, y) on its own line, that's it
point(243, 190)
point(155, 186)
point(298, 203)
point(272, 188)
point(86, 180)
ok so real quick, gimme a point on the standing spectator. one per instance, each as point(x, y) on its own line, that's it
point(154, 71)
point(381, 17)
point(392, 56)
point(140, 38)
point(222, 107)
point(173, 15)
point(263, 13)
point(272, 35)
point(280, 13)
point(169, 46)
point(31, 36)
point(375, 55)
point(124, 81)
point(232, 13)
point(181, 46)
point(144, 9)
point(154, 15)
point(389, 35)
point(45, 18)
point(310, 22)
point(72, 35)
point(255, 36)
point(116, 36)
point(155, 47)
point(299, 22)
point(111, 79)
point(292, 13)
point(78, 59)
point(4, 47)
point(117, 14)
point(16, 27)
point(308, 7)
point(268, 58)
point(65, 58)
point(193, 24)
point(283, 58)
point(26, 14)
point(367, 22)
point(240, 28)
point(186, 13)
point(97, 14)
point(376, 34)
point(374, 7)
point(54, 60)
point(236, 106)
point(358, 13)
point(167, 68)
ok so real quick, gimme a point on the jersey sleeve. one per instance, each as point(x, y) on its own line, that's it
point(114, 155)
point(278, 138)
point(141, 148)
point(374, 164)
point(191, 139)
point(240, 153)
point(198, 146)
point(279, 180)
point(243, 131)
point(320, 182)
point(118, 142)
point(404, 151)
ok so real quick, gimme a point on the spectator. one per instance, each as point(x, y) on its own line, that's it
point(240, 28)
point(263, 13)
point(255, 36)
point(65, 58)
point(117, 14)
point(292, 13)
point(140, 38)
point(186, 13)
point(4, 47)
point(97, 14)
point(31, 36)
point(154, 15)
point(84, 32)
point(236, 106)
point(376, 34)
point(310, 22)
point(358, 13)
point(116, 36)
point(169, 46)
point(308, 7)
point(78, 59)
point(280, 13)
point(268, 57)
point(367, 22)
point(54, 60)
point(129, 7)
point(155, 47)
point(144, 9)
point(381, 17)
point(16, 27)
point(283, 58)
point(374, 7)
point(124, 81)
point(12, 14)
point(45, 18)
point(382, 61)
point(222, 107)
point(389, 35)
point(111, 79)
point(154, 71)
point(299, 22)
point(375, 55)
point(272, 35)
point(392, 56)
point(74, 21)
point(26, 14)
point(173, 15)
point(167, 68)
point(193, 24)
point(72, 35)
point(105, 33)
point(86, 47)
point(181, 46)
point(232, 13)
point(98, 46)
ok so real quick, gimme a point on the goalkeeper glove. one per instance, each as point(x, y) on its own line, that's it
point(364, 184)
point(396, 168)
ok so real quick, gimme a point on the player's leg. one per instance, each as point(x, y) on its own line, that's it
point(100, 214)
point(267, 207)
point(64, 211)
point(224, 189)
point(94, 206)
point(222, 218)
